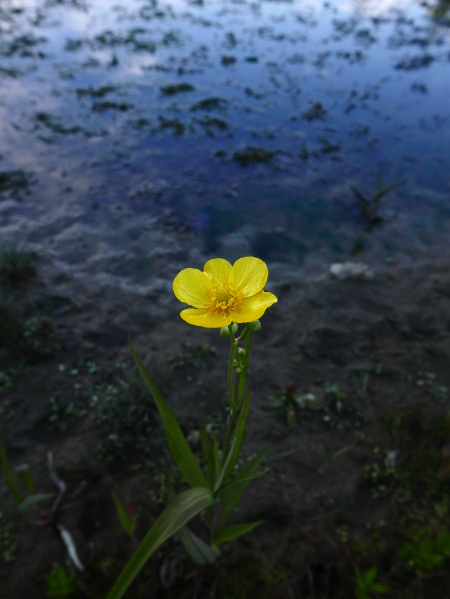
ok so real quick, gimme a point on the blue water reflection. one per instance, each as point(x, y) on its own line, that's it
point(225, 116)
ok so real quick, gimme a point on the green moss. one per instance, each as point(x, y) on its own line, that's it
point(211, 104)
point(252, 155)
point(174, 124)
point(91, 92)
point(14, 180)
point(316, 112)
point(171, 90)
point(102, 106)
point(54, 124)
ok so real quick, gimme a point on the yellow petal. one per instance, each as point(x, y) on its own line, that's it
point(254, 307)
point(191, 286)
point(220, 270)
point(203, 318)
point(249, 275)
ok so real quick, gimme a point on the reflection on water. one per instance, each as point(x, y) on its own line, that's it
point(241, 123)
point(441, 11)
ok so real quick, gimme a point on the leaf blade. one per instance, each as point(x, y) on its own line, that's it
point(233, 532)
point(196, 548)
point(179, 447)
point(9, 480)
point(182, 509)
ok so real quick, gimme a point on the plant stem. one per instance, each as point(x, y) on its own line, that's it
point(231, 397)
point(230, 372)
point(243, 373)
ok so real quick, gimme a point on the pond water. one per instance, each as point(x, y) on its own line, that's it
point(239, 126)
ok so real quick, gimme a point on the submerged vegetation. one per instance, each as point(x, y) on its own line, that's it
point(370, 207)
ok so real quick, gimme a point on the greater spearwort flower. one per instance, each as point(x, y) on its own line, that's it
point(222, 293)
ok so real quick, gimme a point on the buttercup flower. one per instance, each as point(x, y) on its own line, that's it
point(222, 293)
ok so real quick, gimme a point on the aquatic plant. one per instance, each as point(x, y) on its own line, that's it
point(222, 296)
point(16, 263)
point(251, 155)
point(369, 207)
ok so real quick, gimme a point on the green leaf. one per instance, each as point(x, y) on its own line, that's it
point(379, 587)
point(128, 522)
point(9, 480)
point(370, 575)
point(59, 583)
point(208, 455)
point(239, 432)
point(33, 500)
point(241, 480)
point(233, 532)
point(221, 478)
point(231, 497)
point(179, 447)
point(196, 548)
point(26, 480)
point(359, 195)
point(178, 513)
point(216, 459)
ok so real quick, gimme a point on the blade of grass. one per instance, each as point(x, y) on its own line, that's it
point(9, 480)
point(179, 447)
point(178, 513)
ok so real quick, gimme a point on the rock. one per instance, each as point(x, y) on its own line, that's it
point(351, 270)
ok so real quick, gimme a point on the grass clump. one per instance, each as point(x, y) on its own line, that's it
point(9, 322)
point(176, 125)
point(211, 104)
point(54, 124)
point(16, 264)
point(252, 155)
point(316, 112)
point(171, 90)
point(13, 180)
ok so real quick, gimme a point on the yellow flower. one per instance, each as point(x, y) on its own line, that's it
point(222, 293)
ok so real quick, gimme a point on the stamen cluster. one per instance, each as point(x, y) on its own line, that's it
point(223, 299)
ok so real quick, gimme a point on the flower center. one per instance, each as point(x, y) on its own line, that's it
point(224, 299)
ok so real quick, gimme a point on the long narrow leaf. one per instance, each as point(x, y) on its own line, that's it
point(128, 522)
point(221, 478)
point(239, 432)
point(233, 532)
point(196, 548)
point(182, 509)
point(25, 479)
point(33, 500)
point(359, 195)
point(179, 447)
point(231, 496)
point(9, 480)
point(216, 459)
point(208, 455)
point(241, 480)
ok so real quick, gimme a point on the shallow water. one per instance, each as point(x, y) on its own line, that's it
point(222, 128)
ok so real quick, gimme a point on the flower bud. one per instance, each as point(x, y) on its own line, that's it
point(234, 327)
point(224, 332)
point(241, 352)
point(254, 326)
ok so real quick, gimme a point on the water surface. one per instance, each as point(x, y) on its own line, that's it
point(238, 125)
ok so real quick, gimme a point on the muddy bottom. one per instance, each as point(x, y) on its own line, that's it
point(349, 387)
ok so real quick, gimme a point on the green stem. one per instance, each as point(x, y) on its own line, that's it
point(231, 396)
point(243, 373)
point(230, 372)
point(230, 427)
